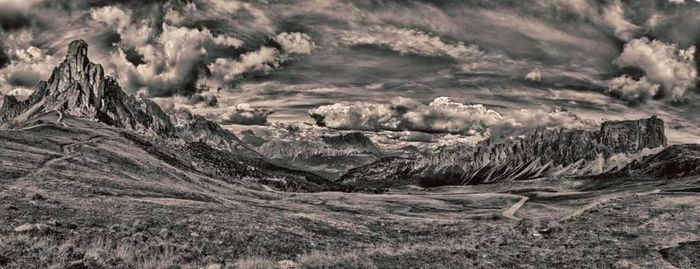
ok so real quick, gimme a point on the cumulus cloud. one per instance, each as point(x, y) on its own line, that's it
point(357, 116)
point(173, 56)
point(662, 63)
point(20, 92)
point(631, 90)
point(445, 116)
point(244, 114)
point(112, 16)
point(264, 59)
point(441, 116)
point(294, 43)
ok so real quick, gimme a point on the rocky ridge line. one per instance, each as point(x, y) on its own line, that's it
point(544, 152)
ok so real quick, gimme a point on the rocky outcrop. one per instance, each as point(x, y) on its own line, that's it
point(78, 87)
point(544, 152)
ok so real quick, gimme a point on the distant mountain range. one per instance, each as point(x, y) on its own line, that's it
point(79, 90)
point(618, 148)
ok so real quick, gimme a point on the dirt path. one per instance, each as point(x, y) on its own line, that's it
point(510, 212)
point(68, 150)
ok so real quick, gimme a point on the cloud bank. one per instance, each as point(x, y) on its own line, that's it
point(440, 116)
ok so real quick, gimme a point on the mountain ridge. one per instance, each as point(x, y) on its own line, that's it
point(544, 152)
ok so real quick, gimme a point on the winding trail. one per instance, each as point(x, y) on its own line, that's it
point(510, 212)
point(68, 150)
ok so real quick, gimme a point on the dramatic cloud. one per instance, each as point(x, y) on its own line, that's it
point(244, 114)
point(633, 91)
point(295, 43)
point(357, 116)
point(440, 116)
point(265, 59)
point(445, 116)
point(482, 51)
point(173, 56)
point(662, 63)
point(27, 68)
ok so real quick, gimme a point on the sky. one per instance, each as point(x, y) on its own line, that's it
point(465, 69)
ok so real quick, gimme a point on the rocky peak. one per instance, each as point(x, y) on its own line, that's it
point(79, 87)
point(631, 135)
point(82, 82)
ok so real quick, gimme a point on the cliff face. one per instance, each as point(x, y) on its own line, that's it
point(544, 152)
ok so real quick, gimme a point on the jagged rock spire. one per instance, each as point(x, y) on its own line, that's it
point(80, 88)
point(82, 80)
